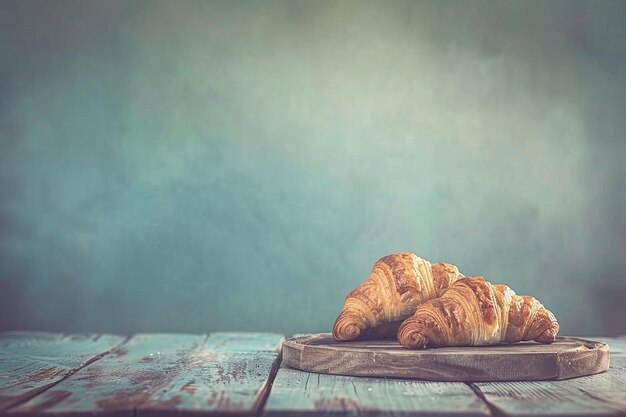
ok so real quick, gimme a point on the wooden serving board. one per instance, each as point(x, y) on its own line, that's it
point(568, 357)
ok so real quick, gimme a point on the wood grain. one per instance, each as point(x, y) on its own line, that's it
point(117, 383)
point(30, 362)
point(599, 395)
point(229, 375)
point(298, 393)
point(565, 358)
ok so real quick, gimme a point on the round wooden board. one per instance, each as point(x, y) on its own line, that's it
point(568, 357)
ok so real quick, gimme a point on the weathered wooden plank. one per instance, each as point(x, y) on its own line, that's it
point(565, 358)
point(298, 393)
point(120, 381)
point(617, 345)
point(242, 342)
point(229, 375)
point(30, 362)
point(600, 395)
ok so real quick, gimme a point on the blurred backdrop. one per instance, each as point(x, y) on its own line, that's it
point(201, 165)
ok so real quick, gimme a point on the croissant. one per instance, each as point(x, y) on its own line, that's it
point(397, 285)
point(475, 312)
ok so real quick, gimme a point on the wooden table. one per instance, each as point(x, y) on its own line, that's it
point(239, 374)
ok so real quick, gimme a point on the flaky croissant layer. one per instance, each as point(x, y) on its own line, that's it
point(397, 285)
point(475, 312)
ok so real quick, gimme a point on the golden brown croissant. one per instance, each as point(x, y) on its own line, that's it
point(397, 285)
point(475, 312)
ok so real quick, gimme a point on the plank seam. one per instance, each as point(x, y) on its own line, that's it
point(493, 410)
point(27, 397)
point(258, 409)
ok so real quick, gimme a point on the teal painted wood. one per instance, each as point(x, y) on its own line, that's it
point(229, 375)
point(243, 342)
point(617, 345)
point(30, 362)
point(600, 395)
point(120, 381)
point(298, 393)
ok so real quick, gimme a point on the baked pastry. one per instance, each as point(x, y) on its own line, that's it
point(475, 312)
point(397, 285)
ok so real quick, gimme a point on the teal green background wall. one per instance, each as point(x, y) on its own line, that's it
point(197, 166)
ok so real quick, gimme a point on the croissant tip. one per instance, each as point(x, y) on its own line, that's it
point(411, 338)
point(415, 340)
point(548, 335)
point(345, 328)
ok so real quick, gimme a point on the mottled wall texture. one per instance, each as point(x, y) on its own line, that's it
point(209, 165)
